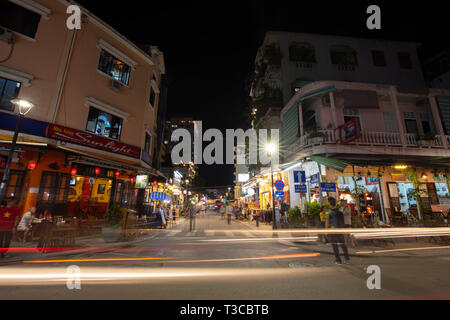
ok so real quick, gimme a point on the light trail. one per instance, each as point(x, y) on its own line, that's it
point(96, 260)
point(405, 249)
point(306, 239)
point(285, 256)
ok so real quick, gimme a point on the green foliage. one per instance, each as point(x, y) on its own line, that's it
point(294, 213)
point(114, 216)
point(314, 209)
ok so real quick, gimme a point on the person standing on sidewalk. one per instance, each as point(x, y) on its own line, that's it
point(9, 217)
point(347, 211)
point(334, 219)
point(229, 212)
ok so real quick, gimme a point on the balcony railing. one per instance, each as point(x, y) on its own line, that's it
point(370, 138)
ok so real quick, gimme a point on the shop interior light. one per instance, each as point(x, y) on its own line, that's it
point(400, 166)
point(424, 176)
point(32, 165)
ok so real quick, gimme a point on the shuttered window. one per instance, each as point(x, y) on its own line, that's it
point(390, 122)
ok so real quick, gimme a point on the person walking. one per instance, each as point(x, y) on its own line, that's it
point(334, 219)
point(191, 211)
point(9, 216)
point(229, 212)
point(347, 211)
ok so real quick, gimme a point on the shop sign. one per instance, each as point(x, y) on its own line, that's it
point(141, 181)
point(348, 132)
point(300, 188)
point(279, 185)
point(91, 140)
point(299, 177)
point(328, 187)
point(315, 178)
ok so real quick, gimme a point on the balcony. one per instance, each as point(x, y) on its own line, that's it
point(370, 138)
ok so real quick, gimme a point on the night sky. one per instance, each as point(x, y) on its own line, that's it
point(210, 47)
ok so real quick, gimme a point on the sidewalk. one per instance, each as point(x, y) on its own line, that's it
point(82, 245)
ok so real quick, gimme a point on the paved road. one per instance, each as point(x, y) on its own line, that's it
point(221, 261)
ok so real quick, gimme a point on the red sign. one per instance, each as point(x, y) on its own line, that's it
point(91, 140)
point(279, 185)
point(349, 131)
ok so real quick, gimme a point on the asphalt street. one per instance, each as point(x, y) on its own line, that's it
point(221, 261)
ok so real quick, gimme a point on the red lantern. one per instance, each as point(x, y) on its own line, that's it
point(73, 172)
point(97, 171)
point(132, 180)
point(155, 183)
point(32, 165)
point(117, 174)
point(3, 163)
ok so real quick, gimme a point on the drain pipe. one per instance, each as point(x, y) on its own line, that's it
point(63, 80)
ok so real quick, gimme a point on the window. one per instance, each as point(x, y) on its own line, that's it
point(104, 124)
point(19, 19)
point(404, 59)
point(426, 119)
point(15, 183)
point(152, 97)
point(302, 52)
point(350, 114)
point(379, 60)
point(343, 55)
point(390, 122)
point(114, 67)
point(410, 122)
point(9, 90)
point(147, 143)
point(54, 186)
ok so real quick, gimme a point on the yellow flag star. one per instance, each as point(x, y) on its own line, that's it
point(7, 215)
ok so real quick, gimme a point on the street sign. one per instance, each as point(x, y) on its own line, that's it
point(328, 187)
point(279, 194)
point(279, 185)
point(299, 177)
point(300, 188)
point(315, 178)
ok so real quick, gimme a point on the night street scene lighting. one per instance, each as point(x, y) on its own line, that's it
point(225, 159)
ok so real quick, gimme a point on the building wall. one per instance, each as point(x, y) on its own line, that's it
point(364, 72)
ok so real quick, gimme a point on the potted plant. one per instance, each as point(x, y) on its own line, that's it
point(314, 209)
point(112, 228)
point(427, 139)
point(315, 136)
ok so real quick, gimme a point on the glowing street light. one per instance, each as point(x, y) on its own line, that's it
point(24, 107)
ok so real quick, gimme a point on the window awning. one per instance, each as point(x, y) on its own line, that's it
point(335, 164)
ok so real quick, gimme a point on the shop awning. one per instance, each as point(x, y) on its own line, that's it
point(335, 164)
point(160, 196)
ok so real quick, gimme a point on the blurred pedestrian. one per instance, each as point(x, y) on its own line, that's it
point(9, 217)
point(25, 223)
point(335, 220)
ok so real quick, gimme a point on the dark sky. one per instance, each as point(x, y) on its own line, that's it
point(209, 47)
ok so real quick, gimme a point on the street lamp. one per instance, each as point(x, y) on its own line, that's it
point(24, 107)
point(270, 149)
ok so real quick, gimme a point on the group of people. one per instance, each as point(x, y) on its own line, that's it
point(11, 222)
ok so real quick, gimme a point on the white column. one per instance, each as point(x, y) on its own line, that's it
point(300, 118)
point(437, 119)
point(398, 115)
point(333, 110)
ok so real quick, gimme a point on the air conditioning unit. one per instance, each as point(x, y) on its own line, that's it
point(5, 35)
point(115, 85)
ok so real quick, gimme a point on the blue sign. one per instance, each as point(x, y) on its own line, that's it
point(315, 178)
point(299, 177)
point(29, 126)
point(300, 188)
point(328, 187)
point(279, 185)
point(279, 194)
